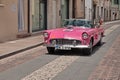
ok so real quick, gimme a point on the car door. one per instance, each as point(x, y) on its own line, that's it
point(96, 34)
point(99, 30)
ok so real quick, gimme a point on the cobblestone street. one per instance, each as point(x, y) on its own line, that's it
point(59, 39)
point(109, 67)
point(37, 64)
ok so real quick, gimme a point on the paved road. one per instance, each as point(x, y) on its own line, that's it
point(36, 64)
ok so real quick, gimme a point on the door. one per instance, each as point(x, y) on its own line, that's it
point(94, 12)
point(20, 16)
point(65, 9)
point(54, 11)
point(35, 15)
point(39, 15)
point(98, 31)
point(43, 14)
point(73, 8)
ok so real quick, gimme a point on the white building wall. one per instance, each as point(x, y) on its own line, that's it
point(88, 9)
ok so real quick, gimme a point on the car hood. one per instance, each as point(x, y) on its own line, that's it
point(68, 33)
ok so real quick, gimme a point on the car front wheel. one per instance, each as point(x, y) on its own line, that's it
point(50, 50)
point(89, 50)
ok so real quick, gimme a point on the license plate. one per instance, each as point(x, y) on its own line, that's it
point(62, 47)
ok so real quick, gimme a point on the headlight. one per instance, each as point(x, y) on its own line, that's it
point(85, 35)
point(46, 35)
point(53, 42)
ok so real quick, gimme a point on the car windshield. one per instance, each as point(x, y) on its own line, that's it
point(68, 22)
point(80, 23)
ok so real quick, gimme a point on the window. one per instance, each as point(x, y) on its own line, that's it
point(116, 1)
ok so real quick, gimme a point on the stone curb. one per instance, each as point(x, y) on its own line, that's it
point(18, 51)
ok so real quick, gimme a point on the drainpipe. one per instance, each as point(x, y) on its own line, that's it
point(109, 10)
point(119, 8)
point(28, 16)
point(92, 10)
point(84, 9)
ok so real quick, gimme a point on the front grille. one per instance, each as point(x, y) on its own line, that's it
point(65, 41)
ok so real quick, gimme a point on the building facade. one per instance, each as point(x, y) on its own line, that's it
point(106, 9)
point(11, 21)
point(98, 9)
point(21, 18)
point(115, 11)
point(88, 9)
point(79, 8)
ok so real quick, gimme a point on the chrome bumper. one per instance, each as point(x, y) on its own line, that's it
point(69, 46)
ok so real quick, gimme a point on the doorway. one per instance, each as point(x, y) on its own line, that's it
point(39, 15)
point(65, 9)
point(20, 16)
point(74, 9)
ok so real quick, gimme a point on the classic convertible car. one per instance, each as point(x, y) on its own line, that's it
point(75, 33)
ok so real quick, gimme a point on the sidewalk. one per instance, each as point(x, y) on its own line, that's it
point(109, 22)
point(13, 47)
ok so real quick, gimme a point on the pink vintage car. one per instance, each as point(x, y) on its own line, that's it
point(76, 33)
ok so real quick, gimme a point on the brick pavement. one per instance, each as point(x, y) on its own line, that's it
point(109, 67)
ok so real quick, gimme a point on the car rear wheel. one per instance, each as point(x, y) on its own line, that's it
point(50, 50)
point(100, 42)
point(89, 50)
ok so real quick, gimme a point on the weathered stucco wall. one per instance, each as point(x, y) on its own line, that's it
point(8, 20)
